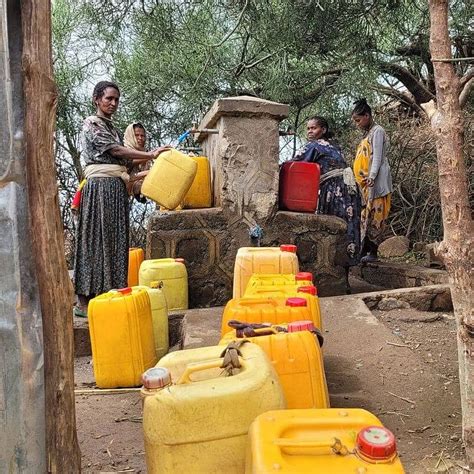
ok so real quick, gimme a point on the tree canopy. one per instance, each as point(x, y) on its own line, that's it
point(172, 59)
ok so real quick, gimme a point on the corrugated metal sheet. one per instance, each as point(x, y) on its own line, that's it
point(22, 423)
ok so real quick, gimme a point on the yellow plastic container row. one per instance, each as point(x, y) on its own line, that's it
point(262, 260)
point(170, 178)
point(121, 331)
point(200, 193)
point(172, 273)
point(135, 258)
point(272, 310)
point(199, 424)
point(298, 361)
point(159, 315)
point(321, 441)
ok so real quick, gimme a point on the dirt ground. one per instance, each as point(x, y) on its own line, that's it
point(433, 337)
point(423, 409)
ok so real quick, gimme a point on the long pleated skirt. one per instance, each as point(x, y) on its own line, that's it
point(101, 253)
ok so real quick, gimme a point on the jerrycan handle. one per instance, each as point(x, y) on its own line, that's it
point(265, 331)
point(334, 444)
point(249, 331)
point(252, 301)
point(200, 366)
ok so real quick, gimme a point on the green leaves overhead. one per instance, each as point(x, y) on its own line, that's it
point(173, 58)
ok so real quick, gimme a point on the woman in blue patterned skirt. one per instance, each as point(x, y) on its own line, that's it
point(101, 253)
point(338, 192)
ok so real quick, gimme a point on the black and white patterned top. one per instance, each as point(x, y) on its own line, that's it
point(98, 136)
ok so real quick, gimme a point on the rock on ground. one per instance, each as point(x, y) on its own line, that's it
point(387, 304)
point(395, 246)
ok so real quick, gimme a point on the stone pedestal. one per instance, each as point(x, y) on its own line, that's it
point(244, 164)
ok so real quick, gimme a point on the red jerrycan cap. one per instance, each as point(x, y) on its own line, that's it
point(288, 248)
point(296, 302)
point(310, 289)
point(179, 260)
point(376, 443)
point(297, 326)
point(125, 291)
point(304, 276)
point(156, 377)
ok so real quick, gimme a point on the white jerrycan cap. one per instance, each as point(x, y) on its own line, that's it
point(156, 377)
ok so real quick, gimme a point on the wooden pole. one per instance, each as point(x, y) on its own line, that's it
point(62, 448)
point(457, 248)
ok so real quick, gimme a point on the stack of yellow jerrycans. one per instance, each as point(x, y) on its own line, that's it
point(129, 326)
point(277, 308)
point(257, 402)
point(129, 332)
point(279, 311)
point(178, 181)
point(170, 178)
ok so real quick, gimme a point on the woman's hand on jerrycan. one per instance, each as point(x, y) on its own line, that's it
point(157, 151)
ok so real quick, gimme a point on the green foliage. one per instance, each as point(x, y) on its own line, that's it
point(173, 58)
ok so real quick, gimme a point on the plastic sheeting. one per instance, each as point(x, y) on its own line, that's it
point(22, 423)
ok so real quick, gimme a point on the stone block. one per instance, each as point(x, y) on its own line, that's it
point(395, 246)
point(424, 298)
point(402, 275)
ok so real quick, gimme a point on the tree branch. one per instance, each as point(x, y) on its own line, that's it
point(231, 32)
point(419, 91)
point(467, 77)
point(242, 67)
point(404, 97)
point(465, 92)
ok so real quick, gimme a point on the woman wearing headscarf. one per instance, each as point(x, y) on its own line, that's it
point(135, 138)
point(101, 252)
point(373, 175)
point(338, 193)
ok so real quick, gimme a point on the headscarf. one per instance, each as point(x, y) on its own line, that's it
point(129, 139)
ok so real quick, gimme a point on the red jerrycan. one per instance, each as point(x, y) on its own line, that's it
point(299, 186)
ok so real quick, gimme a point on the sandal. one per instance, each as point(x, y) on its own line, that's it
point(78, 312)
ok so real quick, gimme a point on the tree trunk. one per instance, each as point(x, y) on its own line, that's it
point(62, 449)
point(457, 248)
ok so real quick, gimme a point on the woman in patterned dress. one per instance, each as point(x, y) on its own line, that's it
point(372, 173)
point(101, 253)
point(338, 193)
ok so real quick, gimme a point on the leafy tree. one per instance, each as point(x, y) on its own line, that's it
point(173, 59)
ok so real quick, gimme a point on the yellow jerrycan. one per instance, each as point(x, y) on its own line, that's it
point(200, 193)
point(297, 358)
point(199, 422)
point(250, 260)
point(331, 440)
point(159, 315)
point(135, 258)
point(268, 310)
point(170, 178)
point(174, 276)
point(121, 331)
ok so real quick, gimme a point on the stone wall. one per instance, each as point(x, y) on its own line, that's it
point(244, 163)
